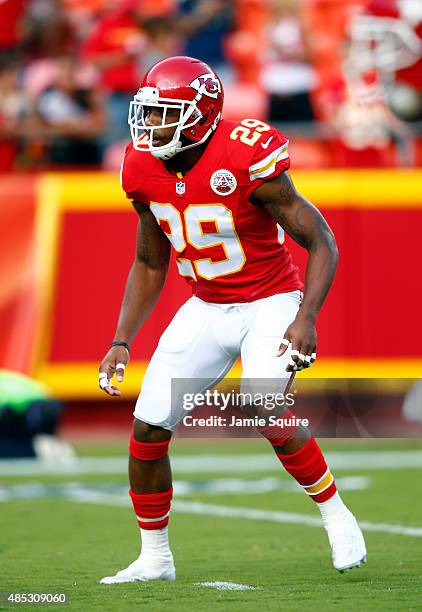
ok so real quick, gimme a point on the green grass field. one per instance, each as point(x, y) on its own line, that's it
point(63, 532)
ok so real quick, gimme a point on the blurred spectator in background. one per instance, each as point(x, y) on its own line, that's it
point(11, 18)
point(197, 29)
point(47, 31)
point(362, 124)
point(12, 13)
point(82, 14)
point(71, 117)
point(204, 27)
point(386, 39)
point(114, 46)
point(366, 55)
point(29, 418)
point(380, 84)
point(12, 111)
point(163, 40)
point(287, 74)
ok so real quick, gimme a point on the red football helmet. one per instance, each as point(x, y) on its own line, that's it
point(181, 83)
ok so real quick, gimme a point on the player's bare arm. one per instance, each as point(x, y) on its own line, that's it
point(306, 225)
point(144, 283)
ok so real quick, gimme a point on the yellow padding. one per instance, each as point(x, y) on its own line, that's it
point(321, 486)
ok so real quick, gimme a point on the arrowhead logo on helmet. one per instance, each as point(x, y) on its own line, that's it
point(207, 85)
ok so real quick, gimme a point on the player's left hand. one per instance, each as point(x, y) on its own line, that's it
point(301, 337)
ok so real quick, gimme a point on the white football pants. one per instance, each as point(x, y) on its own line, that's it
point(201, 344)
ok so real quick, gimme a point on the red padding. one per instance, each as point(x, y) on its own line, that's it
point(148, 451)
point(151, 506)
point(324, 495)
point(307, 465)
point(153, 524)
point(276, 435)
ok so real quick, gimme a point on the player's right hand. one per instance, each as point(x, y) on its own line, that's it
point(114, 362)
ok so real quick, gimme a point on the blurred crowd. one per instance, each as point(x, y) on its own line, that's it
point(68, 69)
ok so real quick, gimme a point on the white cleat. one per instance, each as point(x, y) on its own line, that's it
point(347, 543)
point(144, 569)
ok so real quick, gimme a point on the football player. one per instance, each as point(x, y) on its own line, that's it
point(219, 193)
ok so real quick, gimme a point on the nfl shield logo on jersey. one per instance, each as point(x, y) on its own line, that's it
point(180, 188)
point(223, 182)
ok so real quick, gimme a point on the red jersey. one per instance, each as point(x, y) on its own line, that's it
point(228, 249)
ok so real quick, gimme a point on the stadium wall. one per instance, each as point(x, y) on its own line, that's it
point(82, 232)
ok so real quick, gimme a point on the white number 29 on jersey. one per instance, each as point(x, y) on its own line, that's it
point(225, 235)
point(249, 131)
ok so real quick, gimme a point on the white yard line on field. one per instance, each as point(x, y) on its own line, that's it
point(223, 464)
point(283, 517)
point(214, 486)
point(255, 514)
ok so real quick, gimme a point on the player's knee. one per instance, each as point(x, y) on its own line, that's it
point(144, 432)
point(148, 442)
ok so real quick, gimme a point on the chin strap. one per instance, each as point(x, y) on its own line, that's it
point(167, 153)
point(177, 147)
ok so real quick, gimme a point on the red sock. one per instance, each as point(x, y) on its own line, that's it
point(277, 435)
point(152, 509)
point(309, 468)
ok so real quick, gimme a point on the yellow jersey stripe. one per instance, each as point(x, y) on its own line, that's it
point(270, 163)
point(262, 162)
point(268, 168)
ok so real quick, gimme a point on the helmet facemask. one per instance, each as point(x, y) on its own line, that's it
point(143, 135)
